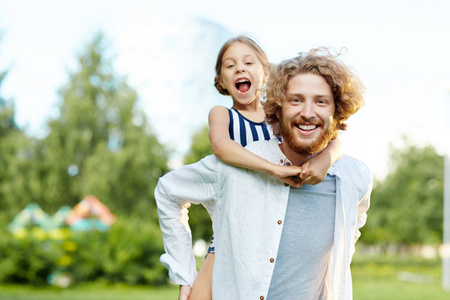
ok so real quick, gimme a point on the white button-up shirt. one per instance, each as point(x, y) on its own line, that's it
point(247, 209)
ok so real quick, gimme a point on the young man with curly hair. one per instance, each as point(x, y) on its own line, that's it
point(276, 241)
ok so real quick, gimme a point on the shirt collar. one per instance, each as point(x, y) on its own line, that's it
point(278, 155)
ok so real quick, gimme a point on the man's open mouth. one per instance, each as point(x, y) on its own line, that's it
point(307, 127)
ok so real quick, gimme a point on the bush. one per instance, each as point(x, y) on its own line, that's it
point(129, 253)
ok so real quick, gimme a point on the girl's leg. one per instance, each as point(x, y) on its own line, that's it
point(202, 289)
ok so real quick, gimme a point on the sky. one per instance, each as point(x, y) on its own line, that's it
point(398, 48)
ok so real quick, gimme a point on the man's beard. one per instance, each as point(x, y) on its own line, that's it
point(287, 133)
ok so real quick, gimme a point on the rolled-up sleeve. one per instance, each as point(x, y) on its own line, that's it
point(196, 183)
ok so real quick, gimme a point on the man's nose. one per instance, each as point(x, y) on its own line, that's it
point(307, 110)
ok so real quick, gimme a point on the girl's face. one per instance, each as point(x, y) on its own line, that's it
point(242, 74)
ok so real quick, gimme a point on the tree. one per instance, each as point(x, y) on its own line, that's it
point(16, 159)
point(7, 122)
point(200, 146)
point(101, 143)
point(407, 206)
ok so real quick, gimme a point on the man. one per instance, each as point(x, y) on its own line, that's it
point(274, 241)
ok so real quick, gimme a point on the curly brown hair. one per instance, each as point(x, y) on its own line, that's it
point(241, 39)
point(345, 85)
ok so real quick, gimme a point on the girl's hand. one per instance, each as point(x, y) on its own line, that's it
point(185, 291)
point(289, 175)
point(292, 181)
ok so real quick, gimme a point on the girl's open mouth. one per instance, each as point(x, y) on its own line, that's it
point(243, 85)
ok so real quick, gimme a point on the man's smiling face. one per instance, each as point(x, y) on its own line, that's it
point(307, 123)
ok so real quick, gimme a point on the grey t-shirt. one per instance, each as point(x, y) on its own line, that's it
point(306, 243)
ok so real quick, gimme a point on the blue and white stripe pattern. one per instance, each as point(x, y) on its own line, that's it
point(245, 131)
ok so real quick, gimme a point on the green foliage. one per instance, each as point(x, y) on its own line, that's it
point(17, 265)
point(199, 219)
point(16, 159)
point(7, 122)
point(200, 146)
point(128, 253)
point(101, 143)
point(406, 207)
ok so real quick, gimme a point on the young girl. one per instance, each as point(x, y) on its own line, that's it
point(242, 69)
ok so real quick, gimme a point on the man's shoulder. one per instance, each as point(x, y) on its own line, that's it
point(262, 148)
point(351, 161)
point(353, 173)
point(352, 167)
point(269, 150)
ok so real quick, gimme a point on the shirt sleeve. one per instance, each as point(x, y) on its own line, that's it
point(363, 204)
point(174, 193)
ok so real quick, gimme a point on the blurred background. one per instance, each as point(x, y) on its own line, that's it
point(98, 99)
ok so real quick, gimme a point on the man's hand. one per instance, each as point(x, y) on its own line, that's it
point(185, 291)
point(314, 171)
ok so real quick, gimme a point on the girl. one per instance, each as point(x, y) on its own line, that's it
point(242, 69)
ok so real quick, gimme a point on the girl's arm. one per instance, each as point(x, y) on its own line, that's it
point(315, 170)
point(234, 154)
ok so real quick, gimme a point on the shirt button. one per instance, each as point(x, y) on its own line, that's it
point(279, 222)
point(281, 161)
point(288, 164)
point(262, 297)
point(272, 260)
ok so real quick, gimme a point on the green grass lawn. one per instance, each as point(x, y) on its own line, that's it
point(88, 292)
point(397, 278)
point(373, 279)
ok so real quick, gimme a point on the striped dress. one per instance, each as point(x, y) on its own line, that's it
point(244, 132)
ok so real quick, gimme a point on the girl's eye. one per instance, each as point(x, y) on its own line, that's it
point(295, 100)
point(249, 63)
point(230, 66)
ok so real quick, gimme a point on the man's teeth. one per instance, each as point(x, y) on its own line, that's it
point(307, 127)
